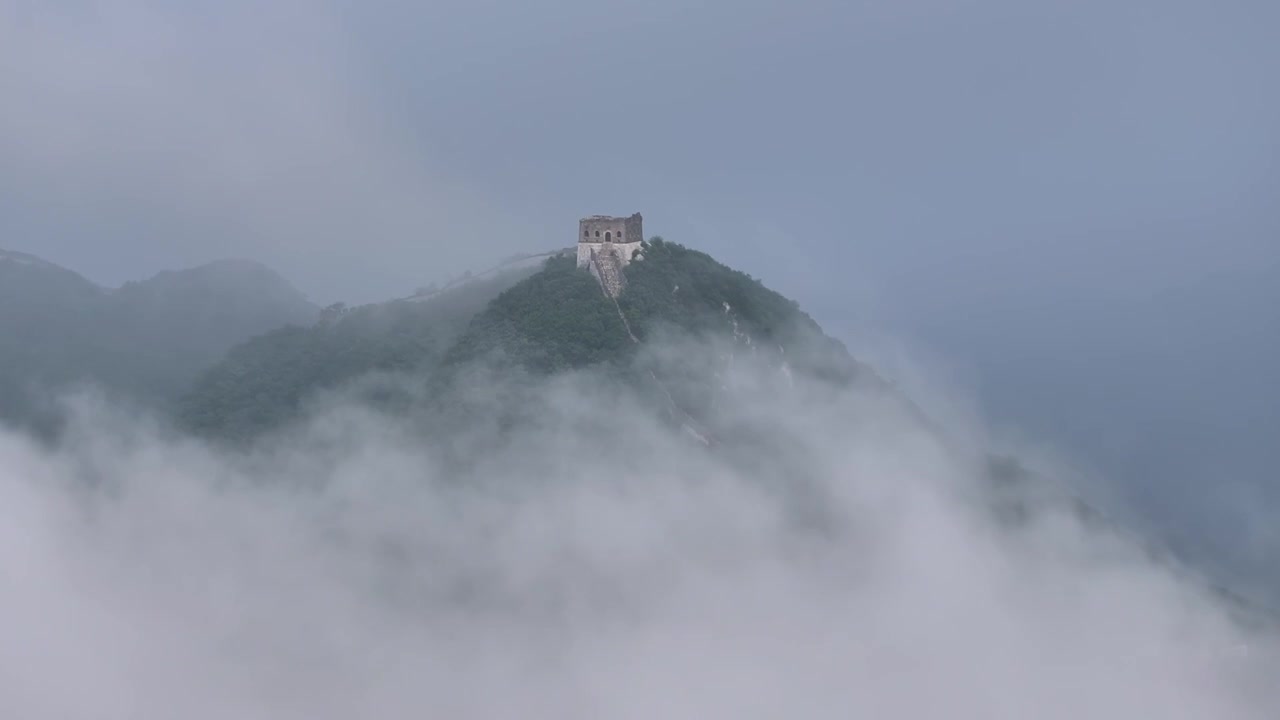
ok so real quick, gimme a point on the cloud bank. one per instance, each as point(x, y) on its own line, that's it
point(595, 564)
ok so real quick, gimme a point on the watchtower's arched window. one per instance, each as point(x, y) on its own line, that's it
point(608, 237)
point(586, 233)
point(619, 234)
point(597, 233)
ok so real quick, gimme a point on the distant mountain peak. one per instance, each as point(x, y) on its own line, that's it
point(31, 279)
point(224, 268)
point(232, 280)
point(13, 258)
point(147, 340)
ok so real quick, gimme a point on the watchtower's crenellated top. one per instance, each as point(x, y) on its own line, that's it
point(605, 228)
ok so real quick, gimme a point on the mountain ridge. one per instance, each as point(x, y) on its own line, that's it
point(542, 320)
point(143, 341)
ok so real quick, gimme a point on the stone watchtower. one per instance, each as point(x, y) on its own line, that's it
point(606, 245)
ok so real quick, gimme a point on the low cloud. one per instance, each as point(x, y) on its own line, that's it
point(595, 564)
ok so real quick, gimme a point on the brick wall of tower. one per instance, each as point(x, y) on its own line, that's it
point(620, 234)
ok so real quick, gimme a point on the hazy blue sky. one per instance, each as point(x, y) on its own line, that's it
point(1068, 207)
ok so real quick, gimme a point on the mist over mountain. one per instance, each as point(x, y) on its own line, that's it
point(265, 382)
point(950, 396)
point(144, 342)
point(553, 320)
point(521, 493)
point(419, 359)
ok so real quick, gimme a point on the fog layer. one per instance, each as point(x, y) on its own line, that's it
point(596, 564)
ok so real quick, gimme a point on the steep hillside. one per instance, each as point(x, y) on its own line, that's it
point(49, 321)
point(542, 323)
point(186, 320)
point(27, 278)
point(146, 341)
point(556, 319)
point(560, 319)
point(264, 382)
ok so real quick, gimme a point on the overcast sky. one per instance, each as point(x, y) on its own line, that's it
point(1066, 208)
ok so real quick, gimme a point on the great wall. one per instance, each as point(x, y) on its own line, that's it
point(606, 244)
